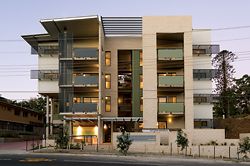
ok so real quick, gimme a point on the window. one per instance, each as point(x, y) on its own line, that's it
point(108, 58)
point(141, 56)
point(76, 100)
point(141, 104)
point(141, 81)
point(87, 100)
point(108, 104)
point(25, 114)
point(94, 100)
point(168, 99)
point(171, 99)
point(17, 112)
point(107, 81)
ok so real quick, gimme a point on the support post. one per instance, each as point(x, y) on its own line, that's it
point(47, 117)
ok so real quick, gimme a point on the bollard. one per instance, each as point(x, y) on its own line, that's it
point(214, 152)
point(199, 149)
point(171, 149)
point(229, 152)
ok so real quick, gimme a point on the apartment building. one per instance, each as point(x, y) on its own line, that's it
point(141, 73)
point(16, 121)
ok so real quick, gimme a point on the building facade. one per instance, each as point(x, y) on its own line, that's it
point(16, 121)
point(140, 73)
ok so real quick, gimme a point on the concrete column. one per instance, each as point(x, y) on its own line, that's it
point(99, 130)
point(70, 130)
point(47, 117)
point(99, 111)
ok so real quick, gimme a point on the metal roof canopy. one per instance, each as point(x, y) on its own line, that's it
point(122, 26)
point(85, 26)
point(33, 40)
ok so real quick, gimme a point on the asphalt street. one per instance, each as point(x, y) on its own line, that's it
point(103, 160)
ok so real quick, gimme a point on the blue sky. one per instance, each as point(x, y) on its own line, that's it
point(22, 17)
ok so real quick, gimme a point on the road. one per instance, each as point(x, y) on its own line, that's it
point(102, 160)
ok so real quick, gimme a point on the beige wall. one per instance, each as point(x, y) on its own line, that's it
point(151, 26)
point(7, 113)
point(114, 44)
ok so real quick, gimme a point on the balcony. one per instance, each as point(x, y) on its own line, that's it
point(48, 50)
point(205, 74)
point(170, 54)
point(170, 81)
point(85, 107)
point(171, 108)
point(85, 53)
point(86, 81)
point(205, 49)
point(51, 75)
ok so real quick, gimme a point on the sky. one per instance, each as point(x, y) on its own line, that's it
point(22, 17)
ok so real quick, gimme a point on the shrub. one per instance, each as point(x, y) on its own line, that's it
point(124, 142)
point(244, 146)
point(181, 139)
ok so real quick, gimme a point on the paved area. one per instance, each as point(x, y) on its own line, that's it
point(16, 147)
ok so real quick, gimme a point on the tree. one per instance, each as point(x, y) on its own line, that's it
point(124, 141)
point(223, 80)
point(242, 91)
point(36, 104)
point(182, 140)
point(244, 146)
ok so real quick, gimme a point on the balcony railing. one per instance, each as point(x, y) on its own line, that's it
point(85, 107)
point(88, 81)
point(86, 53)
point(205, 98)
point(125, 107)
point(202, 74)
point(206, 49)
point(48, 50)
point(52, 75)
point(170, 54)
point(171, 108)
point(170, 81)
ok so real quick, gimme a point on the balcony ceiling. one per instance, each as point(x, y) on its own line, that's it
point(87, 26)
point(170, 36)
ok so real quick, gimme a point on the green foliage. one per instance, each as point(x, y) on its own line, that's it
point(242, 91)
point(244, 146)
point(36, 104)
point(182, 140)
point(75, 146)
point(124, 142)
point(224, 81)
point(62, 139)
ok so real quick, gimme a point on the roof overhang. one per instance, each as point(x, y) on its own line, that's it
point(85, 26)
point(35, 39)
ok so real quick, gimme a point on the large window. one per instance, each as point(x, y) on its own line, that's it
point(141, 59)
point(108, 58)
point(108, 104)
point(168, 99)
point(141, 82)
point(107, 81)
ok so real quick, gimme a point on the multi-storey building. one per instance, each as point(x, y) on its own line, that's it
point(17, 121)
point(101, 73)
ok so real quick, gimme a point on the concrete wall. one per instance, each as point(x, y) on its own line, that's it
point(142, 146)
point(151, 26)
point(203, 111)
